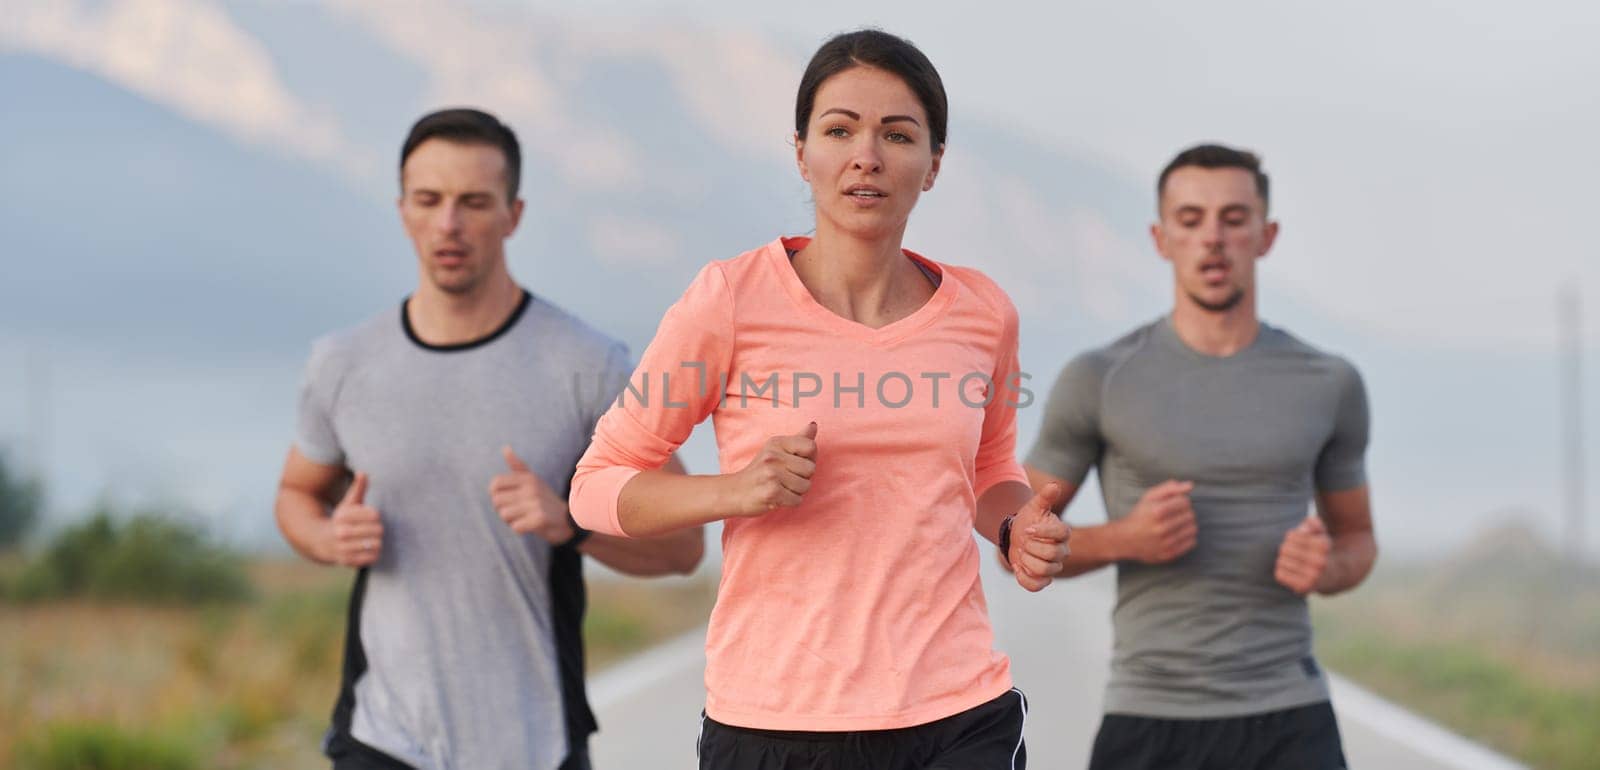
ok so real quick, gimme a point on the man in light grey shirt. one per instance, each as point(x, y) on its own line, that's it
point(1212, 433)
point(457, 423)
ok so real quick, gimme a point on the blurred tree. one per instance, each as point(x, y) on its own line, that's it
point(21, 497)
point(142, 556)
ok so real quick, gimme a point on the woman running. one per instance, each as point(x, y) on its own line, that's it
point(864, 399)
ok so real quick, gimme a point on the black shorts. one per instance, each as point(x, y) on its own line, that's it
point(984, 737)
point(1304, 738)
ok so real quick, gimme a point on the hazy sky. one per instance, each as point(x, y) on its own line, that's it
point(1433, 162)
point(1430, 163)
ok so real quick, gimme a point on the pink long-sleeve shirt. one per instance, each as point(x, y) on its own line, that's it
point(861, 608)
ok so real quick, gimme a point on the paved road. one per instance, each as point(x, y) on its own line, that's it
point(1059, 642)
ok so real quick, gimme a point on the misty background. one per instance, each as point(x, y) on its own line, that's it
point(193, 190)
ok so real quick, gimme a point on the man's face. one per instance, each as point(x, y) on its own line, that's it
point(453, 204)
point(1213, 228)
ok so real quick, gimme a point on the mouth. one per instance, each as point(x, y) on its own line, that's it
point(864, 193)
point(1214, 271)
point(450, 257)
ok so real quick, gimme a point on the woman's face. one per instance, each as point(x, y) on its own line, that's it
point(867, 153)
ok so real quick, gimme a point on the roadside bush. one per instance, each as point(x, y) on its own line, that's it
point(98, 746)
point(20, 500)
point(144, 558)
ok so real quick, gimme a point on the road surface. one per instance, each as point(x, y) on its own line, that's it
point(1059, 642)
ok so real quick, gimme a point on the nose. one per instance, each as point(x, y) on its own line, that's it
point(1211, 233)
point(447, 219)
point(867, 159)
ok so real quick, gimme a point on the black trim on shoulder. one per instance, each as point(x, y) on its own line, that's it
point(411, 334)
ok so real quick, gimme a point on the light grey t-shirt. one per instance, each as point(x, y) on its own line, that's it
point(1212, 634)
point(466, 653)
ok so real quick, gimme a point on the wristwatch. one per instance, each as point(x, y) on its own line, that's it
point(579, 534)
point(1005, 539)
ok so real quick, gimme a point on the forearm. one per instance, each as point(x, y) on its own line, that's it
point(998, 502)
point(1090, 547)
point(1093, 548)
point(659, 502)
point(677, 553)
point(1349, 562)
point(303, 520)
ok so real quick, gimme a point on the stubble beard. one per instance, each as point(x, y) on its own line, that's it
point(456, 284)
point(1224, 306)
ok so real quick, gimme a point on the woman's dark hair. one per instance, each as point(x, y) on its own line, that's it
point(874, 48)
point(468, 126)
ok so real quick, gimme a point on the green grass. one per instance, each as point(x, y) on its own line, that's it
point(99, 746)
point(1476, 694)
point(609, 627)
point(626, 616)
point(246, 685)
point(1500, 643)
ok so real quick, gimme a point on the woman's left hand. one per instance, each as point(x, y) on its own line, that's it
point(1038, 540)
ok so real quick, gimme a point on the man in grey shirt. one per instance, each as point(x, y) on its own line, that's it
point(1212, 433)
point(434, 450)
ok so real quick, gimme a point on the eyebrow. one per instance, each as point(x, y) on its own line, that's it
point(853, 115)
point(1194, 208)
point(459, 195)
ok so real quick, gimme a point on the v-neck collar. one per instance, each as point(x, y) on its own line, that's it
point(777, 256)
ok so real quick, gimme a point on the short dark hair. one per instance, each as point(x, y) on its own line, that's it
point(464, 125)
point(874, 48)
point(1216, 156)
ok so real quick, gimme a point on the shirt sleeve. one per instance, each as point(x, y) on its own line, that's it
point(673, 389)
point(614, 375)
point(1069, 441)
point(1342, 462)
point(997, 446)
point(315, 435)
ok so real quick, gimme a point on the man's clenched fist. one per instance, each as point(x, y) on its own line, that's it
point(528, 504)
point(1303, 556)
point(357, 527)
point(1161, 527)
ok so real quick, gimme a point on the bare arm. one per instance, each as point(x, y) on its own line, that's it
point(1038, 546)
point(317, 523)
point(1348, 515)
point(655, 502)
point(676, 552)
point(531, 507)
point(1160, 528)
point(1092, 547)
point(1000, 501)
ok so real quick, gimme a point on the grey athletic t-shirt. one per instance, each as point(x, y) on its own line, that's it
point(465, 648)
point(1212, 634)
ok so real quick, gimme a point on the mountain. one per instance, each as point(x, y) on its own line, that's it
point(192, 190)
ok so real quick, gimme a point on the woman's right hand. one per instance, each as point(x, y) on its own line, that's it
point(779, 475)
